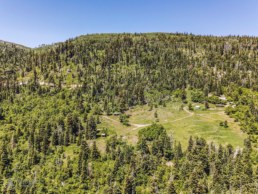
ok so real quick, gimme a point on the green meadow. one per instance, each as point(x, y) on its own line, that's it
point(180, 124)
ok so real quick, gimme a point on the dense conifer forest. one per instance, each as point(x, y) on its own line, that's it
point(52, 98)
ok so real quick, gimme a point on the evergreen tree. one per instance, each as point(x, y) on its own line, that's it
point(83, 155)
point(54, 138)
point(171, 188)
point(154, 186)
point(84, 172)
point(95, 154)
point(4, 160)
point(92, 128)
point(129, 187)
point(197, 181)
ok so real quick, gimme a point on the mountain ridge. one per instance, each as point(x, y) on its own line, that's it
point(125, 33)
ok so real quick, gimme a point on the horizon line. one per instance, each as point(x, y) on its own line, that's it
point(132, 33)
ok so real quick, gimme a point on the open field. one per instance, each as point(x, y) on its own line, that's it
point(180, 124)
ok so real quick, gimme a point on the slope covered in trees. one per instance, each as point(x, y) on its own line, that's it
point(52, 98)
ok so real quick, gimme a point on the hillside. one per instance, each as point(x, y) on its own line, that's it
point(11, 44)
point(130, 113)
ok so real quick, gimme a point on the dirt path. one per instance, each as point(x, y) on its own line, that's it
point(190, 115)
point(201, 115)
point(181, 119)
point(43, 83)
point(185, 109)
point(136, 126)
point(218, 113)
point(115, 121)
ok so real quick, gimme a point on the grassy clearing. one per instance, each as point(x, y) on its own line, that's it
point(180, 124)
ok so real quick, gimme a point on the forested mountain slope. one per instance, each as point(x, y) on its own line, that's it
point(118, 71)
point(52, 98)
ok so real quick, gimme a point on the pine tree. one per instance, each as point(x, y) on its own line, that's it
point(83, 155)
point(143, 147)
point(129, 187)
point(206, 104)
point(54, 139)
point(4, 160)
point(178, 151)
point(1, 114)
point(67, 137)
point(84, 172)
point(171, 188)
point(73, 124)
point(45, 144)
point(154, 186)
point(95, 154)
point(92, 128)
point(197, 181)
point(156, 114)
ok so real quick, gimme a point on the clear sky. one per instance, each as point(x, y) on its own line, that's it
point(35, 22)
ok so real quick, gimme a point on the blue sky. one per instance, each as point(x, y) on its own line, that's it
point(35, 22)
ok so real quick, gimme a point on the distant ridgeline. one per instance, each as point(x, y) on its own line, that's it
point(51, 98)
